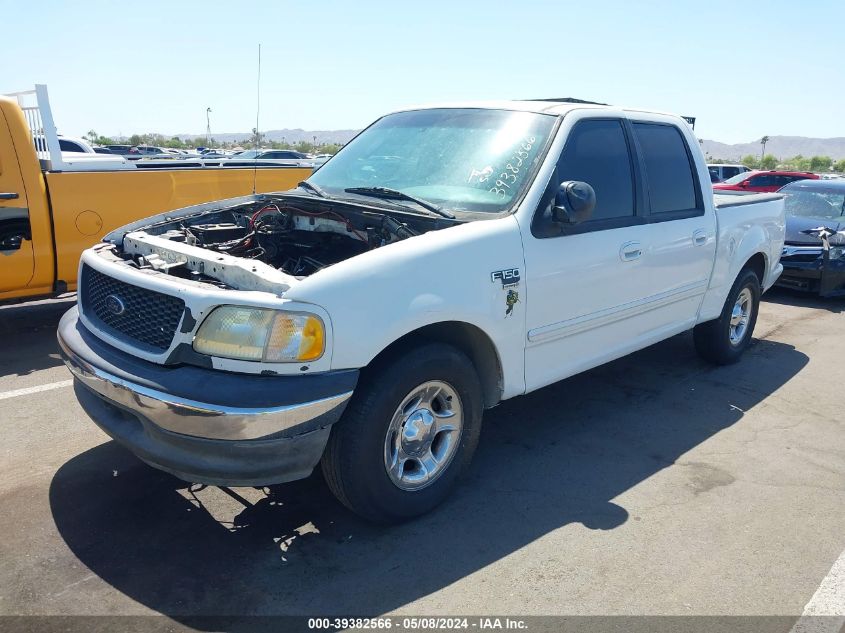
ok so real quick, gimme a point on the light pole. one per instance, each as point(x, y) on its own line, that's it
point(208, 127)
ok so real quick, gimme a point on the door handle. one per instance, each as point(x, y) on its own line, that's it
point(630, 251)
point(699, 237)
point(8, 196)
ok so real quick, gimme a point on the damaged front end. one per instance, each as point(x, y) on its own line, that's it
point(263, 243)
point(817, 269)
point(185, 348)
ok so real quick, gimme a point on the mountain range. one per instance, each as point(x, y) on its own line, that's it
point(781, 146)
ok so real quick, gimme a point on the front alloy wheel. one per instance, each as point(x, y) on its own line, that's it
point(410, 428)
point(423, 435)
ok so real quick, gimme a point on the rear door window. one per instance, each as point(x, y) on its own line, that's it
point(762, 181)
point(670, 175)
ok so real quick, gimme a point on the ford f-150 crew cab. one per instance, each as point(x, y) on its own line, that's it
point(54, 203)
point(446, 259)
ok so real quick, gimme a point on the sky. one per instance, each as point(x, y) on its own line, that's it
point(743, 69)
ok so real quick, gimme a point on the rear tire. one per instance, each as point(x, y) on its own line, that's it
point(723, 340)
point(411, 428)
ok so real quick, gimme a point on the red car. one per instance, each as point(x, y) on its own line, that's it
point(763, 181)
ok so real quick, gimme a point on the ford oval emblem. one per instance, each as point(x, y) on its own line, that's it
point(115, 305)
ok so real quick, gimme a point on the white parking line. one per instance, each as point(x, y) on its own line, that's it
point(25, 392)
point(829, 601)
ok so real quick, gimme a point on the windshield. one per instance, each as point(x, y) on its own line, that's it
point(461, 159)
point(806, 203)
point(735, 180)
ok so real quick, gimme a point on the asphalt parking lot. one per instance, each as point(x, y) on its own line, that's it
point(654, 485)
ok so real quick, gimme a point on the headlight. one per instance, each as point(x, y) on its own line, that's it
point(837, 252)
point(261, 334)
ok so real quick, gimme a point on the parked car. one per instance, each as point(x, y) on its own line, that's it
point(146, 151)
point(367, 318)
point(77, 150)
point(762, 181)
point(269, 154)
point(70, 144)
point(254, 158)
point(214, 154)
point(122, 150)
point(814, 253)
point(720, 173)
point(102, 150)
point(211, 152)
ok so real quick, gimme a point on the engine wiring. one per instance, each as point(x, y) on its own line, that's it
point(288, 237)
point(311, 214)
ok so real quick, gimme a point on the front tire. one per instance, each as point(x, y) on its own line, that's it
point(723, 340)
point(411, 428)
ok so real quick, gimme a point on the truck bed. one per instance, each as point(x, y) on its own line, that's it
point(741, 219)
point(740, 198)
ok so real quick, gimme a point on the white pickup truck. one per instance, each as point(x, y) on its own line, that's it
point(448, 258)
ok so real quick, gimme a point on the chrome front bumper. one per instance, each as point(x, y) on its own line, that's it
point(202, 424)
point(189, 417)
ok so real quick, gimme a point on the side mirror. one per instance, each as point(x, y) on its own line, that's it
point(574, 202)
point(743, 184)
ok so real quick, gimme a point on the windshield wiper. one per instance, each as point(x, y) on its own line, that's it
point(395, 194)
point(312, 187)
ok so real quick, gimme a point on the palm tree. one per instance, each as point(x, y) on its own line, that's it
point(763, 142)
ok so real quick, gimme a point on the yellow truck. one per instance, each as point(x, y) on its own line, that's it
point(54, 205)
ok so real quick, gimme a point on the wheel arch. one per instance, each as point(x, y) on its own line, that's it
point(468, 338)
point(758, 263)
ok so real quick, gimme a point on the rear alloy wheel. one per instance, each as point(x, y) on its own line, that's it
point(723, 340)
point(740, 316)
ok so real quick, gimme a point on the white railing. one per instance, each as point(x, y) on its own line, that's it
point(42, 129)
point(35, 105)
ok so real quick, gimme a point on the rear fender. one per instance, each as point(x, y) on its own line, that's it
point(734, 251)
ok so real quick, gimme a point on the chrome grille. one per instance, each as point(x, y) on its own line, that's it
point(802, 253)
point(139, 316)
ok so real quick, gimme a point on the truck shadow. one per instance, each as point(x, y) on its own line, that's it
point(29, 331)
point(555, 457)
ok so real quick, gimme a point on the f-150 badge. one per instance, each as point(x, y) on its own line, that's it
point(509, 276)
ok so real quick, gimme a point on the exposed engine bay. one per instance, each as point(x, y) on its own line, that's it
point(293, 236)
